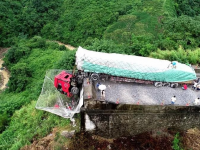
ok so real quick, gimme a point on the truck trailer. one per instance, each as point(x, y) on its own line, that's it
point(133, 67)
point(128, 68)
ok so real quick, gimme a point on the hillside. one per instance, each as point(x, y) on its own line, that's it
point(25, 85)
point(165, 29)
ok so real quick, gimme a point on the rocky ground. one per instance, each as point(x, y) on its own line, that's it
point(157, 139)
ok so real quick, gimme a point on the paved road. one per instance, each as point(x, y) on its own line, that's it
point(141, 94)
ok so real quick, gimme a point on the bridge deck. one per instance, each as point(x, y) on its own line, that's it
point(142, 94)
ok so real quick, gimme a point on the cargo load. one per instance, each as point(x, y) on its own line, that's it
point(131, 66)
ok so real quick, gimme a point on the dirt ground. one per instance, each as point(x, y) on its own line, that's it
point(85, 141)
point(2, 51)
point(44, 143)
point(4, 73)
point(66, 45)
point(58, 139)
point(191, 139)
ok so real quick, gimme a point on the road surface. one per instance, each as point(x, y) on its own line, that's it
point(142, 94)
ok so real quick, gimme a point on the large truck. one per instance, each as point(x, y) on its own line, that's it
point(130, 68)
point(66, 83)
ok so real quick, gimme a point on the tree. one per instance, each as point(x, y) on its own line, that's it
point(183, 30)
point(20, 74)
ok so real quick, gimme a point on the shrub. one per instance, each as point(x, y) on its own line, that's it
point(15, 53)
point(62, 48)
point(20, 74)
point(4, 119)
point(176, 143)
point(67, 61)
point(37, 42)
point(181, 55)
point(53, 45)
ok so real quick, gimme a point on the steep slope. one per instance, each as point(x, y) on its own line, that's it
point(28, 62)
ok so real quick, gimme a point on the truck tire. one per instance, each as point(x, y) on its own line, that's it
point(174, 85)
point(104, 77)
point(158, 84)
point(74, 90)
point(166, 84)
point(94, 76)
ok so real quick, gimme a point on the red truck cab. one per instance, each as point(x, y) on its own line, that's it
point(62, 82)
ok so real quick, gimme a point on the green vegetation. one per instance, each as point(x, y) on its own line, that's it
point(187, 7)
point(140, 26)
point(25, 18)
point(176, 142)
point(28, 61)
point(29, 123)
point(165, 29)
point(181, 55)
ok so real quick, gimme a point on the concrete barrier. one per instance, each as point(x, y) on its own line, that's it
point(112, 121)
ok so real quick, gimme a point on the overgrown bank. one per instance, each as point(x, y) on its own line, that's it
point(170, 139)
point(28, 61)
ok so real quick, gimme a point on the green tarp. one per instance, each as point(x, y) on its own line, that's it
point(133, 66)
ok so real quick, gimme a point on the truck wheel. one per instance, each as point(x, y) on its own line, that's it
point(174, 85)
point(94, 77)
point(74, 90)
point(166, 84)
point(158, 84)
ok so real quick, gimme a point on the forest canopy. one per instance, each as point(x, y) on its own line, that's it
point(140, 26)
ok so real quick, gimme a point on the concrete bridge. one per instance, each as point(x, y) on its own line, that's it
point(112, 120)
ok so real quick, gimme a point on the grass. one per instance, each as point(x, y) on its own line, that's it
point(28, 123)
point(24, 123)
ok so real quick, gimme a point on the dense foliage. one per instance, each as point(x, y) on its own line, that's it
point(187, 7)
point(141, 26)
point(21, 18)
point(165, 29)
point(28, 61)
point(181, 55)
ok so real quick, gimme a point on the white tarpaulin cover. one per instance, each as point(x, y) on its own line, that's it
point(138, 67)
